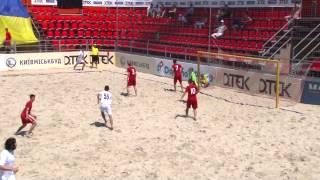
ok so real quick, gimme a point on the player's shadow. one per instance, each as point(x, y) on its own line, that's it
point(124, 94)
point(100, 124)
point(21, 133)
point(183, 101)
point(183, 116)
point(171, 90)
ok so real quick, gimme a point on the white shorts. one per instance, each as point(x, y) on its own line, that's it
point(106, 108)
point(80, 61)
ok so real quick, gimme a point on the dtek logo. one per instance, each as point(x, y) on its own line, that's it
point(70, 60)
point(11, 62)
point(235, 80)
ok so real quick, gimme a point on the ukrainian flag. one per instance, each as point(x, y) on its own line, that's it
point(14, 16)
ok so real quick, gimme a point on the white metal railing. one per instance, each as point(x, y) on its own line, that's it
point(306, 46)
point(278, 32)
point(277, 42)
point(280, 48)
point(305, 38)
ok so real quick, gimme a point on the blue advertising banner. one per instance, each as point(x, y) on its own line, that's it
point(311, 92)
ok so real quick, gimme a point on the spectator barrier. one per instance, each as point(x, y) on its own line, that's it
point(245, 81)
point(29, 61)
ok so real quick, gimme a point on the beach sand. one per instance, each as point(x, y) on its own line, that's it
point(237, 136)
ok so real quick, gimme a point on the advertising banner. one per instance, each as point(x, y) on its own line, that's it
point(311, 92)
point(44, 2)
point(246, 81)
point(31, 61)
point(101, 3)
point(231, 3)
point(236, 79)
point(141, 63)
point(258, 83)
point(163, 67)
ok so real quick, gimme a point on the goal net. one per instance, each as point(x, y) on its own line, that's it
point(256, 76)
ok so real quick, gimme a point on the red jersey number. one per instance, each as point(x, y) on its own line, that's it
point(193, 91)
point(132, 71)
point(176, 67)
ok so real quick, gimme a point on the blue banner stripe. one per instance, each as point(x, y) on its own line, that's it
point(13, 8)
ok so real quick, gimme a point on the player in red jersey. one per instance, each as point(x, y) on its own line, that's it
point(132, 74)
point(192, 91)
point(177, 73)
point(27, 117)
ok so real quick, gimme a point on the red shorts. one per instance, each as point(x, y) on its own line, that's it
point(193, 103)
point(6, 43)
point(27, 120)
point(132, 82)
point(177, 78)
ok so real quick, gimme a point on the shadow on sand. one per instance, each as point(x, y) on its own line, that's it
point(100, 124)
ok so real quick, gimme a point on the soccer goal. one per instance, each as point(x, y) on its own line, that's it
point(252, 75)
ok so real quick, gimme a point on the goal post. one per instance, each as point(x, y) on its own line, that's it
point(275, 66)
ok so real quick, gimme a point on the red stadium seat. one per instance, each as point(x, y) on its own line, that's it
point(59, 26)
point(96, 34)
point(64, 34)
point(50, 34)
point(71, 34)
point(57, 34)
point(44, 25)
point(88, 34)
point(80, 34)
point(74, 25)
point(66, 25)
point(100, 24)
point(52, 26)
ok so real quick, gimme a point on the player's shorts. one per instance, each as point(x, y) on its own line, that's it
point(27, 120)
point(131, 81)
point(192, 103)
point(95, 59)
point(106, 108)
point(177, 78)
point(80, 61)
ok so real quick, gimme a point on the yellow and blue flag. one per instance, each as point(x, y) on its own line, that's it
point(15, 17)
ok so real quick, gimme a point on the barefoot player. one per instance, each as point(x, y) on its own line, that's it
point(192, 91)
point(177, 73)
point(105, 99)
point(27, 117)
point(132, 74)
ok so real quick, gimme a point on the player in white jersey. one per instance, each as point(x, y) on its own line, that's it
point(105, 99)
point(80, 60)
